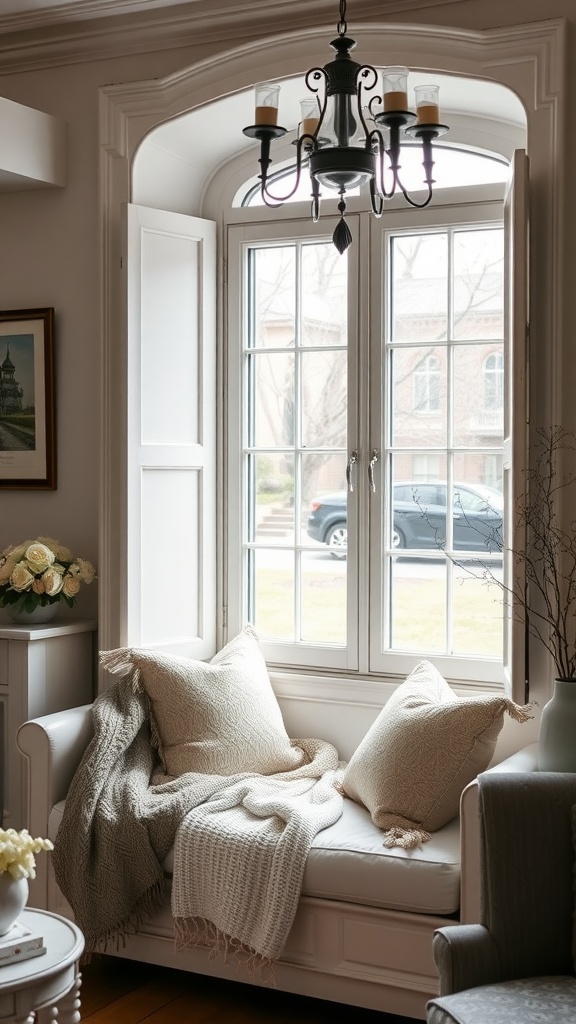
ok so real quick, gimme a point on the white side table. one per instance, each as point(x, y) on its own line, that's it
point(42, 669)
point(48, 984)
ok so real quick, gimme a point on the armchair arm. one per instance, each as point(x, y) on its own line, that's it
point(466, 956)
point(53, 747)
point(525, 760)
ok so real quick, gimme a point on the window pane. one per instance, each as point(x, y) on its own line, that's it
point(477, 613)
point(418, 516)
point(325, 496)
point(478, 284)
point(324, 399)
point(323, 291)
point(323, 598)
point(295, 408)
point(272, 505)
point(478, 508)
point(272, 297)
point(444, 442)
point(271, 605)
point(418, 597)
point(271, 424)
point(419, 298)
point(419, 387)
point(478, 406)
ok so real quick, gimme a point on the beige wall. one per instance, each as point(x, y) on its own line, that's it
point(49, 239)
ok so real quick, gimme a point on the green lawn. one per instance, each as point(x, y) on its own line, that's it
point(418, 614)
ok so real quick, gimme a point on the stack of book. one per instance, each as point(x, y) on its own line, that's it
point(20, 944)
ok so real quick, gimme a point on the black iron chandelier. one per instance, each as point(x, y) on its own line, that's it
point(342, 151)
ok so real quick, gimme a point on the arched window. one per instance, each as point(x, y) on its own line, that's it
point(338, 385)
point(453, 165)
point(427, 385)
point(493, 371)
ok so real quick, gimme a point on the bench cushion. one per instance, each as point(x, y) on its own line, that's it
point(349, 862)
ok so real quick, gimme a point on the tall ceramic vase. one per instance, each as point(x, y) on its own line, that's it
point(13, 897)
point(557, 737)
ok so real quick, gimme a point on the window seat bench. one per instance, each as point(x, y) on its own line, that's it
point(364, 926)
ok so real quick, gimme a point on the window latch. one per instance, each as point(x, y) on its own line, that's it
point(351, 463)
point(373, 460)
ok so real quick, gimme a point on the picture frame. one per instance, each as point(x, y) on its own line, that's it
point(27, 399)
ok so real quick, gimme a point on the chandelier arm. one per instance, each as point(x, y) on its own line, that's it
point(393, 154)
point(376, 199)
point(315, 75)
point(369, 72)
point(412, 202)
point(268, 197)
point(375, 142)
point(315, 206)
point(427, 158)
point(428, 164)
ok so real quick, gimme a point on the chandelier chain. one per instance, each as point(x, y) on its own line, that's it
point(342, 26)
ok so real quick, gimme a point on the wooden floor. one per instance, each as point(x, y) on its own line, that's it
point(116, 991)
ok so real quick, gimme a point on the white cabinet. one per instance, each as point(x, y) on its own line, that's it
point(42, 669)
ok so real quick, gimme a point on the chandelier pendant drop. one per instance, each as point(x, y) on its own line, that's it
point(349, 134)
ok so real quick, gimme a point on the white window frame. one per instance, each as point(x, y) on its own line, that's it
point(239, 240)
point(362, 655)
point(472, 207)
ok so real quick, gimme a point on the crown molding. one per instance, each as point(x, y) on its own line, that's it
point(88, 30)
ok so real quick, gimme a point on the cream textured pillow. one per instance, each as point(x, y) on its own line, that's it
point(218, 718)
point(426, 745)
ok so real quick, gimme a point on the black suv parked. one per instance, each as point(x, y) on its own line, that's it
point(420, 518)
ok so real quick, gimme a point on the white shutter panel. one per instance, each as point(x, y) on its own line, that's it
point(515, 420)
point(171, 527)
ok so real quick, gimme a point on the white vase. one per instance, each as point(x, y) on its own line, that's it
point(41, 613)
point(557, 735)
point(13, 897)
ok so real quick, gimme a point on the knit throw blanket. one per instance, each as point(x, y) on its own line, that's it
point(240, 842)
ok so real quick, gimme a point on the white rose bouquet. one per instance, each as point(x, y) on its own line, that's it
point(17, 851)
point(41, 572)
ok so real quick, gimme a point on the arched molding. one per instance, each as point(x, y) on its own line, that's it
point(87, 30)
point(529, 59)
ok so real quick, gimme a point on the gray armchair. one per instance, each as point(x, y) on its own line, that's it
point(517, 966)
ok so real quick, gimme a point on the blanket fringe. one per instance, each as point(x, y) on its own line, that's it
point(198, 931)
point(519, 712)
point(121, 663)
point(116, 937)
point(406, 838)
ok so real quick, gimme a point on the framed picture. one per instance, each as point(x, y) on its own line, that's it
point(27, 420)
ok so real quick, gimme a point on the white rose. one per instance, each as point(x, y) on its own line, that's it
point(52, 581)
point(58, 549)
point(39, 557)
point(21, 578)
point(6, 569)
point(86, 570)
point(18, 552)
